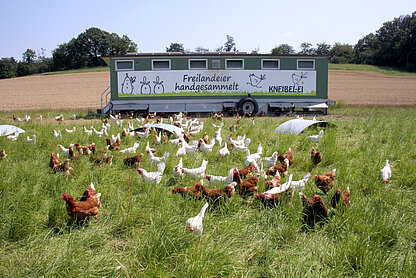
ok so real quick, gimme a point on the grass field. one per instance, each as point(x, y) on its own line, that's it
point(141, 227)
point(383, 70)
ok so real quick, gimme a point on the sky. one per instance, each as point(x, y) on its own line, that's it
point(154, 25)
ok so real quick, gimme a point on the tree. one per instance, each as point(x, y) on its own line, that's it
point(8, 68)
point(229, 44)
point(175, 47)
point(306, 49)
point(322, 48)
point(87, 49)
point(283, 49)
point(29, 56)
point(364, 50)
point(341, 53)
point(201, 49)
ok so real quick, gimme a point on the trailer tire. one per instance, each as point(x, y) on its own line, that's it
point(248, 105)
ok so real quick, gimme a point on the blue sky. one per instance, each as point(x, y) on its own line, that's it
point(154, 24)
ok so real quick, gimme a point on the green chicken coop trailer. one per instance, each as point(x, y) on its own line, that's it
point(216, 81)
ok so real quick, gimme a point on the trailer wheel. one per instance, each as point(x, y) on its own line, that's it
point(248, 105)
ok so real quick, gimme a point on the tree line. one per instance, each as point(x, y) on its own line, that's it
point(393, 45)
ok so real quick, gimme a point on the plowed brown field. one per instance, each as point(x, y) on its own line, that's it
point(83, 90)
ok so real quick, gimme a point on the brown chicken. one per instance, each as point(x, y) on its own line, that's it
point(90, 195)
point(275, 198)
point(335, 199)
point(275, 182)
point(62, 167)
point(82, 149)
point(281, 168)
point(314, 210)
point(238, 118)
point(191, 191)
point(3, 154)
point(316, 156)
point(81, 210)
point(72, 155)
point(325, 182)
point(54, 161)
point(102, 160)
point(246, 171)
point(94, 149)
point(113, 146)
point(205, 137)
point(246, 187)
point(216, 194)
point(187, 136)
point(133, 160)
point(218, 115)
point(287, 155)
point(130, 115)
point(346, 198)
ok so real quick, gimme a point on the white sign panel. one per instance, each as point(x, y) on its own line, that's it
point(223, 82)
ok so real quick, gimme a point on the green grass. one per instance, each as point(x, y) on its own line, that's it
point(383, 70)
point(97, 69)
point(142, 226)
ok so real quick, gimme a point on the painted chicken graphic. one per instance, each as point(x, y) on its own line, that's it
point(297, 78)
point(256, 80)
point(127, 85)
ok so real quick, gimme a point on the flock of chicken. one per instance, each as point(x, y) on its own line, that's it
point(244, 180)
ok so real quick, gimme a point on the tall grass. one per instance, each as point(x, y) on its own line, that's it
point(141, 226)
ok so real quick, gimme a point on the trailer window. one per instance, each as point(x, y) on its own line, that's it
point(161, 64)
point(198, 64)
point(270, 64)
point(306, 64)
point(124, 65)
point(216, 64)
point(234, 64)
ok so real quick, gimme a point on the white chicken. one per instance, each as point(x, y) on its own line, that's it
point(253, 157)
point(144, 134)
point(31, 140)
point(177, 169)
point(65, 150)
point(316, 138)
point(39, 118)
point(158, 138)
point(27, 118)
point(148, 148)
point(196, 172)
point(270, 161)
point(217, 136)
point(156, 160)
point(214, 180)
point(57, 134)
point(89, 132)
point(13, 137)
point(195, 223)
point(224, 151)
point(59, 117)
point(155, 177)
point(206, 147)
point(300, 184)
point(71, 130)
point(386, 172)
point(115, 138)
point(131, 149)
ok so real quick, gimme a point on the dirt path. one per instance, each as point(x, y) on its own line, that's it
point(83, 90)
